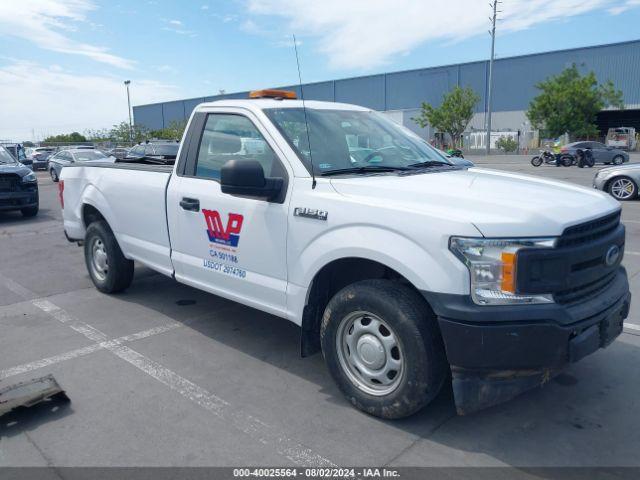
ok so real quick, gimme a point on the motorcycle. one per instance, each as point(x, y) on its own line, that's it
point(454, 152)
point(550, 158)
point(584, 158)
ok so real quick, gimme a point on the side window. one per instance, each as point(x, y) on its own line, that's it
point(148, 150)
point(231, 137)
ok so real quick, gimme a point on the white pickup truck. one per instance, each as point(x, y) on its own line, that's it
point(406, 271)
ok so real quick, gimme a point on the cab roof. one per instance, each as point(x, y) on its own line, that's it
point(266, 103)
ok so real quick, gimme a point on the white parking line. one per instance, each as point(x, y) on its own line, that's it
point(627, 252)
point(632, 326)
point(81, 352)
point(248, 424)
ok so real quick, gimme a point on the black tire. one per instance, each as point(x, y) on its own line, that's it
point(623, 197)
point(568, 160)
point(119, 270)
point(420, 348)
point(536, 161)
point(54, 175)
point(30, 211)
point(618, 160)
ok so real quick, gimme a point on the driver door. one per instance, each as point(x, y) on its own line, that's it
point(229, 245)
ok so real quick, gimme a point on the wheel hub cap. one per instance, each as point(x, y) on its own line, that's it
point(369, 353)
point(99, 259)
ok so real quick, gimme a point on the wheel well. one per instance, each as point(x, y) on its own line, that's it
point(90, 214)
point(332, 278)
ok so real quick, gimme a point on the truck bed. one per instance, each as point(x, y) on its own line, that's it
point(132, 199)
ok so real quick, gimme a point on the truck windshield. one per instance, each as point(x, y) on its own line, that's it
point(5, 156)
point(352, 141)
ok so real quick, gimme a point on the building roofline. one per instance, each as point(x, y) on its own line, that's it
point(438, 67)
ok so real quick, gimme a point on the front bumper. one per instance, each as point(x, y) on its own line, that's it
point(496, 353)
point(18, 200)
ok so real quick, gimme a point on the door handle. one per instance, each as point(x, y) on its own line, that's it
point(191, 204)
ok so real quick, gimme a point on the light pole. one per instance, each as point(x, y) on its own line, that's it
point(490, 88)
point(127, 83)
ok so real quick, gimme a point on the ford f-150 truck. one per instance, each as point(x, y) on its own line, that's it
point(405, 270)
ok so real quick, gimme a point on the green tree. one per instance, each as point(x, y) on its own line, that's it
point(73, 137)
point(569, 102)
point(453, 115)
point(173, 132)
point(121, 134)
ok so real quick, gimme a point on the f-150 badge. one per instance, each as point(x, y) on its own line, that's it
point(310, 213)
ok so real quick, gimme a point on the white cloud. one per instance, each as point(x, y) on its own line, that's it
point(52, 100)
point(45, 22)
point(367, 33)
point(204, 7)
point(627, 5)
point(176, 26)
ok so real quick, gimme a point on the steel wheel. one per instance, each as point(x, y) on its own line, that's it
point(99, 259)
point(622, 188)
point(369, 353)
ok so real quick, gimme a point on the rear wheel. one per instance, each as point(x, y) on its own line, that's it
point(618, 160)
point(382, 346)
point(110, 271)
point(536, 161)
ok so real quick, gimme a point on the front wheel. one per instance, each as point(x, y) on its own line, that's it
point(382, 346)
point(108, 268)
point(536, 161)
point(54, 175)
point(623, 188)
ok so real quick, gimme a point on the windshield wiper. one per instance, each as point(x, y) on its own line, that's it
point(364, 169)
point(430, 163)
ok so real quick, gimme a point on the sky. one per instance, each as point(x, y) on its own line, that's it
point(63, 62)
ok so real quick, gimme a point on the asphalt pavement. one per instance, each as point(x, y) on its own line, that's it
point(166, 375)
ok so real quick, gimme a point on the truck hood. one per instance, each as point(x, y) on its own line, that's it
point(498, 203)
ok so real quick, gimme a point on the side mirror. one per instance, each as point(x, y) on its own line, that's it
point(246, 178)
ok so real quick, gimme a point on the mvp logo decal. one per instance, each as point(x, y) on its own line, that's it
point(228, 235)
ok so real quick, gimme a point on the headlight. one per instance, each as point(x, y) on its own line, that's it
point(29, 178)
point(492, 267)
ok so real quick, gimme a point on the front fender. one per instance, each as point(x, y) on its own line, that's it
point(434, 269)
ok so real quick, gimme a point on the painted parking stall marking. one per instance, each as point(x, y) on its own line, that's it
point(248, 424)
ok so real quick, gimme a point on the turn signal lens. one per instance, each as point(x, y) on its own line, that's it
point(508, 283)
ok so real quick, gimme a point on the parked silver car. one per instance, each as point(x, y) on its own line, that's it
point(621, 182)
point(66, 157)
point(601, 152)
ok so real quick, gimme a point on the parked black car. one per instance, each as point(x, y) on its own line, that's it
point(154, 152)
point(18, 186)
